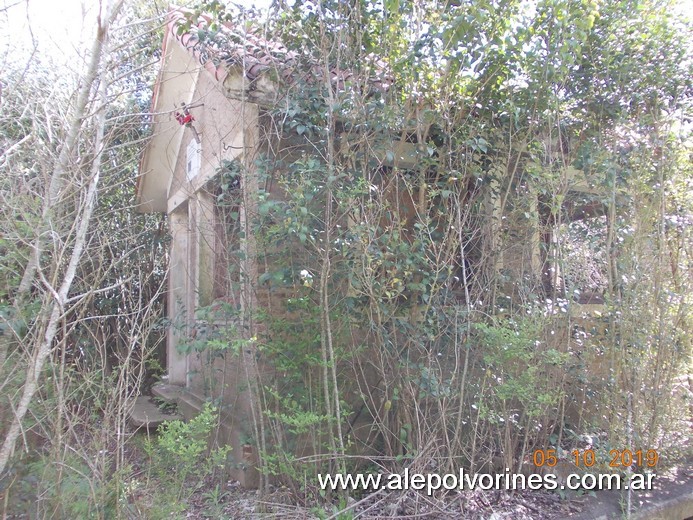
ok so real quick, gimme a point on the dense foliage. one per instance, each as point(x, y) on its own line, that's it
point(481, 247)
point(447, 298)
point(82, 272)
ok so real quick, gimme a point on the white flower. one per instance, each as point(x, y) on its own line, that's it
point(306, 277)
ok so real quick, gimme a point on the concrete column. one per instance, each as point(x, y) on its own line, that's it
point(177, 295)
point(206, 237)
point(248, 215)
point(191, 290)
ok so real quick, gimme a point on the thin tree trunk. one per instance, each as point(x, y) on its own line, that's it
point(43, 349)
point(62, 164)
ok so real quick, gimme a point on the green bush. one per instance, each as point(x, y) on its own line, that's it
point(182, 457)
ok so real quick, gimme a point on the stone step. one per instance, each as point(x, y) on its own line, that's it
point(166, 392)
point(146, 413)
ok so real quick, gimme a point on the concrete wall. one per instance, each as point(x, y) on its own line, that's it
point(226, 130)
point(220, 124)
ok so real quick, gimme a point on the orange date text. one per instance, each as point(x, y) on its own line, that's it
point(624, 458)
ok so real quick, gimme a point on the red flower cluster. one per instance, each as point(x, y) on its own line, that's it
point(184, 119)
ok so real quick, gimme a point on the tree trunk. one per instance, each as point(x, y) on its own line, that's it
point(42, 349)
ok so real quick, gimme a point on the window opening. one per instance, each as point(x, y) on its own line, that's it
point(193, 159)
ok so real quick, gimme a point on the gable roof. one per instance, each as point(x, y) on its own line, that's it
point(262, 64)
point(231, 47)
point(235, 47)
point(159, 155)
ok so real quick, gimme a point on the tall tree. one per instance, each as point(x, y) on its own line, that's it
point(83, 272)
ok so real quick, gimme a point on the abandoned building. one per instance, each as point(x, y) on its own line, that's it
point(208, 114)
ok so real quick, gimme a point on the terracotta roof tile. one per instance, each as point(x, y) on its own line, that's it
point(234, 46)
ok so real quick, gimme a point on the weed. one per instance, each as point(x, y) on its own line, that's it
point(181, 459)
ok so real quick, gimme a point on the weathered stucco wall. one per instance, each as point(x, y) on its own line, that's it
point(220, 124)
point(225, 129)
